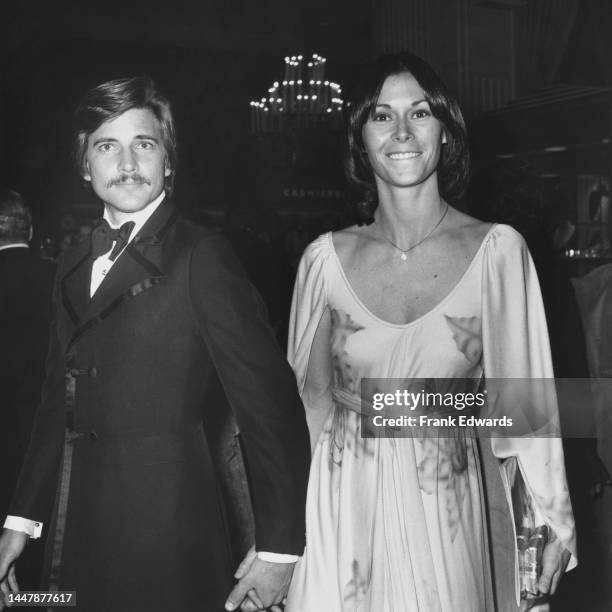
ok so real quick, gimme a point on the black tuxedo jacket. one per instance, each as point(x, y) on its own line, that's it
point(118, 440)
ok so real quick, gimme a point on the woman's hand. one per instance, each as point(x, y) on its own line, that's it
point(555, 558)
point(554, 561)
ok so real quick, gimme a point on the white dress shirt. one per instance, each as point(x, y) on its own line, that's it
point(103, 264)
point(99, 270)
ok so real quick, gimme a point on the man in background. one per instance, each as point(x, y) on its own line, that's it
point(25, 312)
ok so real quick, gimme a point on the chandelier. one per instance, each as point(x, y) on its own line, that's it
point(303, 99)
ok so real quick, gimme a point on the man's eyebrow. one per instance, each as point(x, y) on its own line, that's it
point(137, 137)
point(101, 140)
point(146, 137)
point(413, 104)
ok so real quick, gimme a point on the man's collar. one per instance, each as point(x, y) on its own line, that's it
point(16, 245)
point(139, 217)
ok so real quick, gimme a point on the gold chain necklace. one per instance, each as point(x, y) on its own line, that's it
point(403, 252)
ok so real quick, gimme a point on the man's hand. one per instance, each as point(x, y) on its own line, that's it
point(12, 544)
point(261, 584)
point(245, 566)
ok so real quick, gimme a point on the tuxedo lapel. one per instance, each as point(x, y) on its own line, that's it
point(137, 269)
point(75, 283)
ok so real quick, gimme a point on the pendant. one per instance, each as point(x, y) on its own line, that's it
point(403, 257)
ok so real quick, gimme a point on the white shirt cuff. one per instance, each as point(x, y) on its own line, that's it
point(16, 523)
point(276, 557)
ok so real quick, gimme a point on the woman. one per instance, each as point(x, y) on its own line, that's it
point(420, 290)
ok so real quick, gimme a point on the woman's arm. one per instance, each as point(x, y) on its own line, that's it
point(308, 348)
point(516, 346)
point(316, 394)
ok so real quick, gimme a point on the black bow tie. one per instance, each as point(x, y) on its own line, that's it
point(103, 236)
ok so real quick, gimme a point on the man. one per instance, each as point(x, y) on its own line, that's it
point(26, 282)
point(143, 317)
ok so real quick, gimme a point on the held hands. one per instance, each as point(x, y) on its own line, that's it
point(261, 584)
point(12, 544)
point(555, 558)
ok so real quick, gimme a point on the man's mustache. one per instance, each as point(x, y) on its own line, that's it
point(129, 179)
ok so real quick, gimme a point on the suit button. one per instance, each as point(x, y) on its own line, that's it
point(93, 436)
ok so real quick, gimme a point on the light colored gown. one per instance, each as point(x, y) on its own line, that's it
point(398, 524)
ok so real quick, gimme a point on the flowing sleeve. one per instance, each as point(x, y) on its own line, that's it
point(307, 308)
point(516, 346)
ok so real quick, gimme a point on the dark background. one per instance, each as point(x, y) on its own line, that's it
point(212, 57)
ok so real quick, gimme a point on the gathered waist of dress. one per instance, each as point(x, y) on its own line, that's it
point(350, 400)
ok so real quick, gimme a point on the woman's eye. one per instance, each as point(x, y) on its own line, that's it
point(105, 147)
point(419, 114)
point(145, 145)
point(380, 117)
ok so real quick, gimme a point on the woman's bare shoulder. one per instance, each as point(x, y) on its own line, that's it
point(347, 240)
point(469, 230)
